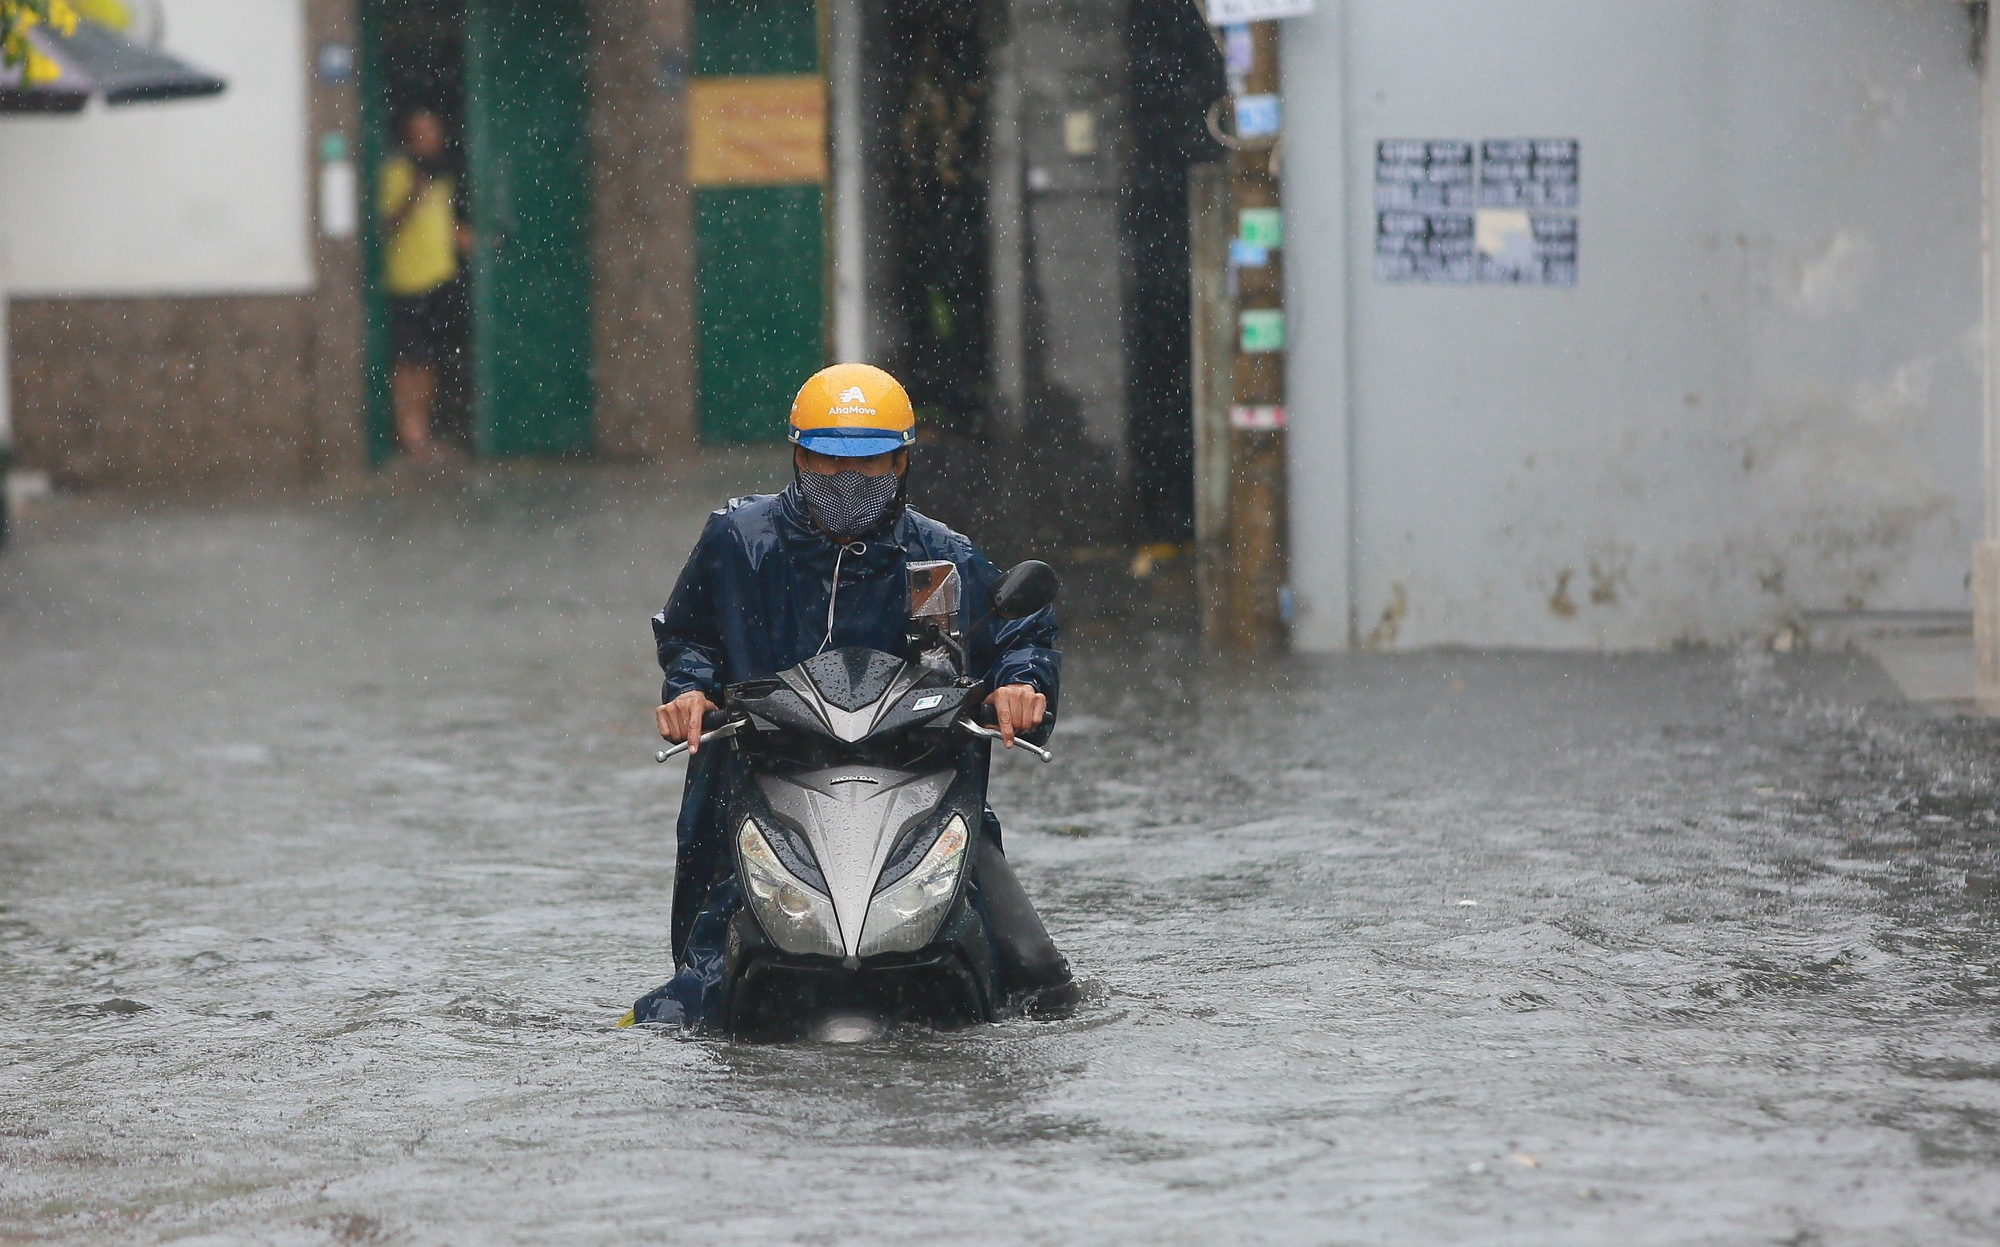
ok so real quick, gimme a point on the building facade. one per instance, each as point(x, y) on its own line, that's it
point(190, 297)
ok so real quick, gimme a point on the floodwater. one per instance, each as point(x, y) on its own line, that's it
point(331, 847)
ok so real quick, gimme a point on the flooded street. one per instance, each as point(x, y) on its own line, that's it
point(331, 847)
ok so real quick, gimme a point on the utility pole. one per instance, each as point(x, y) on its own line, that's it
point(1257, 597)
point(1986, 554)
point(843, 60)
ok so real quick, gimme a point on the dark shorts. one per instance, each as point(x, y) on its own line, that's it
point(424, 328)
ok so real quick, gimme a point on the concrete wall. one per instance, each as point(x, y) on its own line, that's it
point(212, 197)
point(1760, 398)
point(643, 230)
point(265, 391)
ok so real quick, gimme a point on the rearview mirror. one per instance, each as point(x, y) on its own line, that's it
point(1025, 589)
point(934, 591)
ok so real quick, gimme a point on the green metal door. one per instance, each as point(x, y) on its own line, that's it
point(528, 161)
point(377, 141)
point(759, 265)
point(760, 256)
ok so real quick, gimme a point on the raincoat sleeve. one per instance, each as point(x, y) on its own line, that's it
point(690, 644)
point(1012, 651)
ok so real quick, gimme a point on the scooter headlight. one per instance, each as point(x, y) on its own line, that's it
point(797, 917)
point(903, 918)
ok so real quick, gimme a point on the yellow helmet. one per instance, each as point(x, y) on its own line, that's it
point(853, 411)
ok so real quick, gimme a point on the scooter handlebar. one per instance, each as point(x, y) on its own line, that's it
point(721, 724)
point(726, 726)
point(1020, 742)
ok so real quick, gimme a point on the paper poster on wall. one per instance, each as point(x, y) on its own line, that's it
point(1230, 12)
point(1430, 248)
point(1424, 175)
point(1498, 212)
point(1518, 248)
point(758, 130)
point(1528, 173)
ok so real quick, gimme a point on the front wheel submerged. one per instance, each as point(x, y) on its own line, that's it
point(774, 995)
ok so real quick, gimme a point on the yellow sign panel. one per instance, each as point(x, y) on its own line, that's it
point(757, 131)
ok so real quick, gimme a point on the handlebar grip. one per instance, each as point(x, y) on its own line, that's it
point(714, 719)
point(985, 716)
point(719, 732)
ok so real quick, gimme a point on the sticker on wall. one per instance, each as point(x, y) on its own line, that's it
point(1263, 330)
point(1500, 212)
point(1080, 133)
point(339, 188)
point(1257, 116)
point(335, 63)
point(1239, 51)
point(1248, 254)
point(1256, 417)
point(1261, 227)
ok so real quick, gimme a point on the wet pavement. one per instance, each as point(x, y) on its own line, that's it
point(331, 847)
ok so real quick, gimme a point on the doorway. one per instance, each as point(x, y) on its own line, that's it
point(1027, 270)
point(509, 81)
point(932, 59)
point(1176, 72)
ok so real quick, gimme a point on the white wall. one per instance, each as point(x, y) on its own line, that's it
point(190, 197)
point(1762, 397)
point(6, 364)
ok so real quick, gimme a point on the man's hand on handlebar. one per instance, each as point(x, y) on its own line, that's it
point(680, 719)
point(1018, 707)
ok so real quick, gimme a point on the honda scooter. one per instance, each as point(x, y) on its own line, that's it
point(855, 820)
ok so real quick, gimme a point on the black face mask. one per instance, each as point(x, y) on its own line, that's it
point(848, 504)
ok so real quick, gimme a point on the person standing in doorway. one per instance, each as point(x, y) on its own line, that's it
point(424, 241)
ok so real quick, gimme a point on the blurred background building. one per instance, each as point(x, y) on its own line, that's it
point(1608, 325)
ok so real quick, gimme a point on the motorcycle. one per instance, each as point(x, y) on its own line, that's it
point(856, 816)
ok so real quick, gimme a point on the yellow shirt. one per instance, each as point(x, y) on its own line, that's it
point(422, 253)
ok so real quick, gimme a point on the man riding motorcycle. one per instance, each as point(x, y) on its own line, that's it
point(777, 578)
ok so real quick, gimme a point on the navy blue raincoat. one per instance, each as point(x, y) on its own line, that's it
point(751, 602)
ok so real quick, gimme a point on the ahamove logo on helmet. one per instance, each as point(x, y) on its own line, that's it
point(852, 402)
